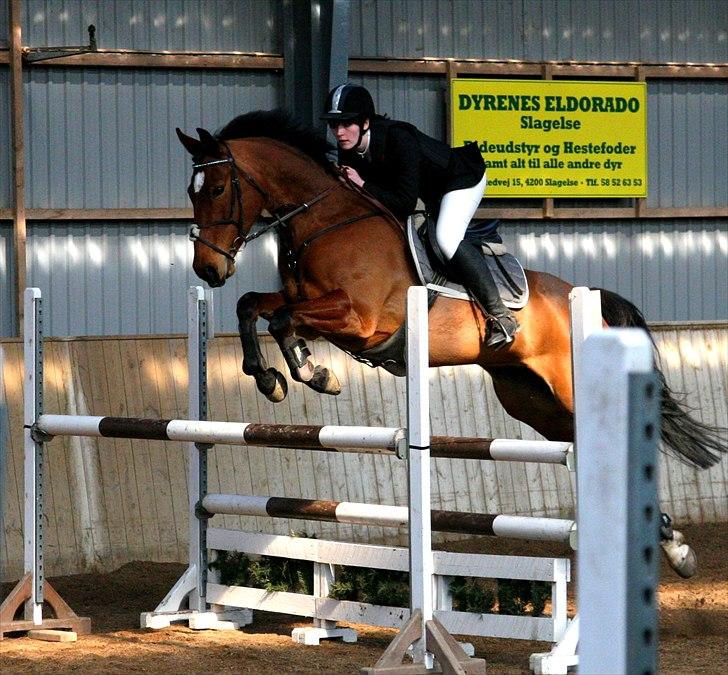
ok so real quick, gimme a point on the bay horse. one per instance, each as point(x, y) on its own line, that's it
point(345, 269)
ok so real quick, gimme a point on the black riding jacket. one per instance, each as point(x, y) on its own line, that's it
point(405, 164)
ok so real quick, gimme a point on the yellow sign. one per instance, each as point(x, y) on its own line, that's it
point(547, 138)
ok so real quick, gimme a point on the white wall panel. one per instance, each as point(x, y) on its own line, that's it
point(146, 377)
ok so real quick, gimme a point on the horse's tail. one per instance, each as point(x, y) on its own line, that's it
point(687, 438)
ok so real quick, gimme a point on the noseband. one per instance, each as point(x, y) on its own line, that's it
point(237, 198)
point(241, 239)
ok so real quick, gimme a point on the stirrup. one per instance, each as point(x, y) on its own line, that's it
point(503, 328)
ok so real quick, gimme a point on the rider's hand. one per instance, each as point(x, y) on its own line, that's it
point(352, 175)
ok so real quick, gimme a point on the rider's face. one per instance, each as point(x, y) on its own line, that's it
point(347, 134)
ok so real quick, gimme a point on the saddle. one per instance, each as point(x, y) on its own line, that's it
point(433, 270)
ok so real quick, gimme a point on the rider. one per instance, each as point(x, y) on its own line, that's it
point(396, 163)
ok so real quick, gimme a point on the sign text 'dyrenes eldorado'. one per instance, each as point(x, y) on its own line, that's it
point(555, 139)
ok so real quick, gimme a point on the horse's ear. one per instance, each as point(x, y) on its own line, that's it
point(192, 145)
point(207, 139)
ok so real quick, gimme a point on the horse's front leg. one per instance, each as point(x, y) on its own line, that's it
point(331, 314)
point(270, 382)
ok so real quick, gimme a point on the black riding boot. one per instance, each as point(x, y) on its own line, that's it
point(473, 273)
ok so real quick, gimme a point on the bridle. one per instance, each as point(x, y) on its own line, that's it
point(241, 240)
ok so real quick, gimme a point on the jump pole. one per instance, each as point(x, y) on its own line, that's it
point(328, 438)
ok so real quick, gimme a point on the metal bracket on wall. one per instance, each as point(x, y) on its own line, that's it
point(31, 54)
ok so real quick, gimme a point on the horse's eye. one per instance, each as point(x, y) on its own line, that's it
point(218, 190)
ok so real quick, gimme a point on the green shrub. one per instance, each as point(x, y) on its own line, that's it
point(380, 587)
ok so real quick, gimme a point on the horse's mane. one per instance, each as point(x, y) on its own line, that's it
point(280, 126)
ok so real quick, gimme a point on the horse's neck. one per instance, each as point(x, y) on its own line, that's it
point(293, 179)
point(289, 177)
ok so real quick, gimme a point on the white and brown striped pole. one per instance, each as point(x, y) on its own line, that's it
point(384, 440)
point(353, 513)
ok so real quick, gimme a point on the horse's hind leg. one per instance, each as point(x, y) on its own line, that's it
point(679, 555)
point(528, 398)
point(269, 381)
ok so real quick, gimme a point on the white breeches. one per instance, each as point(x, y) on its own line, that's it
point(456, 212)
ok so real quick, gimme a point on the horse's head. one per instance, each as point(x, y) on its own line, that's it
point(226, 201)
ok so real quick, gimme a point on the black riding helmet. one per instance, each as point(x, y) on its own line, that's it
point(348, 103)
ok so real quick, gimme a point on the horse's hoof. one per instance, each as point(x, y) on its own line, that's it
point(680, 556)
point(324, 381)
point(272, 385)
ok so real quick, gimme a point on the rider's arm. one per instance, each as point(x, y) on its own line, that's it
point(400, 193)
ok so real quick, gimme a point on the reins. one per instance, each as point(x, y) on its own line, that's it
point(242, 240)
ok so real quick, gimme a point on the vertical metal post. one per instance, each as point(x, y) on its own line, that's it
point(418, 429)
point(643, 508)
point(33, 470)
point(338, 39)
point(197, 336)
point(17, 123)
point(3, 443)
point(618, 511)
point(316, 53)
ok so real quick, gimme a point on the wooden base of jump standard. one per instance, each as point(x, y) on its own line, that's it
point(449, 655)
point(65, 617)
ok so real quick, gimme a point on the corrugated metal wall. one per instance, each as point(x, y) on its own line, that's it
point(687, 140)
point(99, 138)
point(650, 31)
point(4, 16)
point(5, 156)
point(125, 279)
point(7, 281)
point(672, 270)
point(103, 138)
point(175, 25)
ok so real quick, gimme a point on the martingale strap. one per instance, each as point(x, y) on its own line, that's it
point(294, 257)
point(331, 228)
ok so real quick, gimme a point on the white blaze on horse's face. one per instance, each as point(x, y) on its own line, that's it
point(198, 181)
